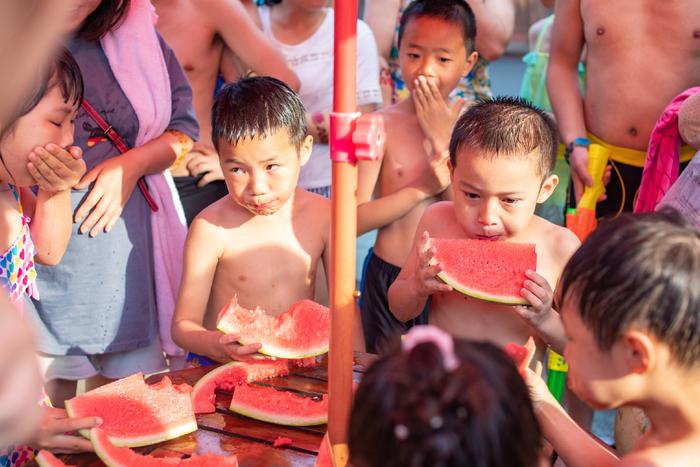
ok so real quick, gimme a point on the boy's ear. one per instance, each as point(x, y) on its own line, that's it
point(471, 61)
point(547, 188)
point(305, 150)
point(640, 351)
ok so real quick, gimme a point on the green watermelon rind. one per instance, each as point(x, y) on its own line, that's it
point(277, 419)
point(272, 350)
point(481, 295)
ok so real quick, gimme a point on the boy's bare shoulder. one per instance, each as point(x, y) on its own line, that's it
point(222, 214)
point(562, 241)
point(439, 214)
point(311, 204)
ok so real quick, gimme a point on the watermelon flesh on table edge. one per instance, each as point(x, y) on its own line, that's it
point(233, 374)
point(76, 408)
point(325, 457)
point(115, 456)
point(521, 354)
point(226, 325)
point(47, 459)
point(266, 404)
point(521, 256)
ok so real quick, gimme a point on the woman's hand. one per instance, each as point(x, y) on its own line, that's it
point(114, 181)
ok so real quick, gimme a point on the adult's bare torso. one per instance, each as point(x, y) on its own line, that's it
point(198, 47)
point(405, 161)
point(640, 55)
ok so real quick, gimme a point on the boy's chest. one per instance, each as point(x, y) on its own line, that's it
point(406, 156)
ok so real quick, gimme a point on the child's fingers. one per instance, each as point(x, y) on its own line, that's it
point(535, 289)
point(76, 152)
point(44, 167)
point(537, 278)
point(434, 90)
point(420, 94)
point(533, 299)
point(247, 349)
point(230, 338)
point(38, 178)
point(434, 285)
point(65, 425)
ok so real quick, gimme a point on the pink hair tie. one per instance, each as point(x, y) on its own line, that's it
point(429, 333)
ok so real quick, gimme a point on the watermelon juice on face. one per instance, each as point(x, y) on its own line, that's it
point(501, 251)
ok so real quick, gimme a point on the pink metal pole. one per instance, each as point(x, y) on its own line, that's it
point(343, 234)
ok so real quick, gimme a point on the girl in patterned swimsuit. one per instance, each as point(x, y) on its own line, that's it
point(35, 150)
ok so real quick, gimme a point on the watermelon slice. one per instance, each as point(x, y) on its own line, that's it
point(136, 414)
point(279, 407)
point(47, 459)
point(115, 456)
point(521, 354)
point(302, 331)
point(487, 270)
point(325, 457)
point(233, 374)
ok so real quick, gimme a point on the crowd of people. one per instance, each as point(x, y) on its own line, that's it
point(174, 153)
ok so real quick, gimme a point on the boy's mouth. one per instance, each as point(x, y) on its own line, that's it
point(491, 238)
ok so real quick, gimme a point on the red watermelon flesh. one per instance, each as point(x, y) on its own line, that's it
point(324, 458)
point(136, 414)
point(115, 456)
point(47, 459)
point(483, 269)
point(302, 331)
point(521, 354)
point(280, 407)
point(231, 375)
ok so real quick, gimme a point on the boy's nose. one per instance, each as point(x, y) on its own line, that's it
point(258, 185)
point(426, 68)
point(487, 214)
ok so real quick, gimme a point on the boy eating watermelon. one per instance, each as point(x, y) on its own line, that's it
point(264, 241)
point(502, 154)
point(630, 303)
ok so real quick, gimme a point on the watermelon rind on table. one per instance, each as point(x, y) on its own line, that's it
point(493, 271)
point(303, 331)
point(271, 405)
point(136, 414)
point(233, 374)
point(115, 456)
point(47, 459)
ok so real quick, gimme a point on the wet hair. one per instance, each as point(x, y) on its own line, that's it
point(639, 271)
point(505, 127)
point(64, 72)
point(411, 412)
point(106, 17)
point(451, 11)
point(257, 107)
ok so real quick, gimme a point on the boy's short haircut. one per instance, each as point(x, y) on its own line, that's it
point(639, 271)
point(507, 126)
point(451, 11)
point(255, 107)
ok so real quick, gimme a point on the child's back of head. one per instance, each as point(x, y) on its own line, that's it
point(507, 127)
point(639, 272)
point(256, 107)
point(440, 402)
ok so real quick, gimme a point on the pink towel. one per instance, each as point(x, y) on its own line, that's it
point(137, 61)
point(661, 167)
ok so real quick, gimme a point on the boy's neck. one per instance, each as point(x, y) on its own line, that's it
point(673, 411)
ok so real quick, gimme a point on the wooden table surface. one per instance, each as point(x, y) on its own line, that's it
point(251, 440)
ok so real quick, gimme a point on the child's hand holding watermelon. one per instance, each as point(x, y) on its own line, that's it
point(540, 314)
point(425, 278)
point(54, 428)
point(228, 348)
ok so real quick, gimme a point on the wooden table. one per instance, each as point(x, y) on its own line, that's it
point(251, 440)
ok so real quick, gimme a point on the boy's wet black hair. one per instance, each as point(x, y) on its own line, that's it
point(257, 107)
point(409, 411)
point(63, 72)
point(451, 11)
point(107, 16)
point(639, 271)
point(507, 126)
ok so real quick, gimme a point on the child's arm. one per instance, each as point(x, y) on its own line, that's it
point(247, 41)
point(202, 253)
point(563, 84)
point(574, 445)
point(417, 279)
point(496, 20)
point(56, 171)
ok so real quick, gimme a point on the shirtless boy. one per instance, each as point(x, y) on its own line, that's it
point(436, 47)
point(198, 31)
point(502, 154)
point(631, 309)
point(264, 241)
point(639, 56)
